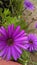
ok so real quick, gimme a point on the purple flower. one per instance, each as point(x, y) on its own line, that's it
point(28, 5)
point(11, 42)
point(36, 26)
point(32, 42)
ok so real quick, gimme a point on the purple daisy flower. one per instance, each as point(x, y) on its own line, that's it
point(12, 42)
point(36, 25)
point(32, 42)
point(28, 5)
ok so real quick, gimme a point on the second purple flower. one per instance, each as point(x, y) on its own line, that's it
point(32, 42)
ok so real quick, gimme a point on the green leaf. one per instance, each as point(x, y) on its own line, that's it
point(6, 12)
point(24, 58)
point(10, 20)
point(0, 11)
point(15, 6)
point(16, 21)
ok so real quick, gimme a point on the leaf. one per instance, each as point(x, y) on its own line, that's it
point(6, 12)
point(10, 20)
point(0, 11)
point(16, 21)
point(24, 58)
point(15, 6)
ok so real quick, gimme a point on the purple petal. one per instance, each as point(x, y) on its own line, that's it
point(18, 50)
point(17, 31)
point(18, 42)
point(35, 46)
point(22, 46)
point(2, 38)
point(31, 49)
point(5, 54)
point(10, 30)
point(3, 51)
point(25, 41)
point(3, 31)
point(18, 54)
point(20, 34)
point(28, 5)
point(27, 45)
point(21, 39)
point(2, 45)
point(14, 53)
point(36, 25)
point(8, 54)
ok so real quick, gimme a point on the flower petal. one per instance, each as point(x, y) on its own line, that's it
point(18, 54)
point(5, 54)
point(2, 38)
point(14, 53)
point(18, 49)
point(16, 31)
point(10, 30)
point(20, 34)
point(8, 54)
point(22, 46)
point(3, 31)
point(3, 51)
point(21, 39)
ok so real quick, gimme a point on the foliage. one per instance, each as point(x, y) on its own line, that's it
point(15, 6)
point(11, 13)
point(7, 19)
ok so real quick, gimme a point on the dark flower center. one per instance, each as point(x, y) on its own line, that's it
point(10, 41)
point(30, 41)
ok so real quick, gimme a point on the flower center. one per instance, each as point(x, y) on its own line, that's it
point(10, 41)
point(31, 42)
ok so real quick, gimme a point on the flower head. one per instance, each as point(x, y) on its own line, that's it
point(36, 25)
point(32, 42)
point(28, 5)
point(11, 42)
